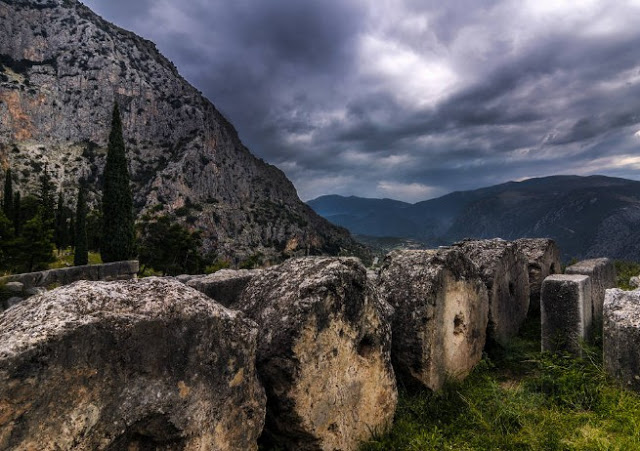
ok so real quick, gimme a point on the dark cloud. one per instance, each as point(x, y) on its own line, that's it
point(411, 98)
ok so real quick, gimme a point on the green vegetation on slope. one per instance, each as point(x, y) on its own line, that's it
point(520, 399)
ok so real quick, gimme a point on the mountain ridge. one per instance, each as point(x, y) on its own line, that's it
point(588, 216)
point(62, 67)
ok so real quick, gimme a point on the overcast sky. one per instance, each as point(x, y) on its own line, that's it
point(411, 99)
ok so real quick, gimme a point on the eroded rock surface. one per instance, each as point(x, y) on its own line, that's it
point(504, 270)
point(441, 313)
point(323, 353)
point(225, 286)
point(621, 336)
point(62, 67)
point(149, 364)
point(602, 272)
point(543, 258)
point(566, 312)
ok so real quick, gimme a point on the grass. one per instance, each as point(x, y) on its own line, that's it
point(64, 259)
point(626, 270)
point(520, 399)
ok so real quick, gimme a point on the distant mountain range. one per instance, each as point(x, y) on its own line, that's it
point(587, 216)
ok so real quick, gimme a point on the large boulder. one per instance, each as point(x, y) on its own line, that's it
point(441, 313)
point(602, 272)
point(543, 258)
point(150, 364)
point(566, 312)
point(323, 353)
point(504, 270)
point(225, 286)
point(621, 336)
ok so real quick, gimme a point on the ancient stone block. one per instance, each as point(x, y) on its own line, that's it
point(323, 353)
point(543, 258)
point(634, 282)
point(566, 312)
point(621, 336)
point(225, 286)
point(504, 270)
point(150, 364)
point(441, 313)
point(603, 276)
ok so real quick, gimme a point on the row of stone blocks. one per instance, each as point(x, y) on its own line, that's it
point(572, 305)
point(301, 353)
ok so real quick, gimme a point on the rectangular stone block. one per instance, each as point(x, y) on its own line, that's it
point(621, 336)
point(566, 312)
point(603, 276)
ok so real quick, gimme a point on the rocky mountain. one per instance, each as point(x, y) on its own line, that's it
point(62, 67)
point(588, 216)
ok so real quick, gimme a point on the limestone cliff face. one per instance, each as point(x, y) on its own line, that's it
point(61, 69)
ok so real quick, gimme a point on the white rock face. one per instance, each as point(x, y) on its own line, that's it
point(504, 270)
point(128, 365)
point(621, 336)
point(566, 312)
point(441, 314)
point(324, 353)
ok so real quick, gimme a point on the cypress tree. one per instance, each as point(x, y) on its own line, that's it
point(7, 206)
point(117, 200)
point(60, 230)
point(17, 214)
point(81, 255)
point(47, 200)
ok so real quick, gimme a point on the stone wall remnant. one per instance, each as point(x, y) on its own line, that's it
point(323, 353)
point(441, 311)
point(504, 270)
point(149, 364)
point(566, 312)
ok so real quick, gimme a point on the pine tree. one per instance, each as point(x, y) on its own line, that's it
point(7, 206)
point(117, 200)
point(81, 256)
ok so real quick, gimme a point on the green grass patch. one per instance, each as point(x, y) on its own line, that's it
point(625, 270)
point(520, 399)
point(64, 259)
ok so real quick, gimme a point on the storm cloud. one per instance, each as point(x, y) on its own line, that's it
point(411, 99)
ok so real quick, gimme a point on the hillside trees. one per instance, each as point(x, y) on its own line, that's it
point(7, 204)
point(167, 246)
point(117, 199)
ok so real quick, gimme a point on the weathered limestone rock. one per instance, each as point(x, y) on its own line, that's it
point(441, 313)
point(503, 269)
point(225, 286)
point(14, 287)
point(184, 278)
point(603, 276)
point(566, 312)
point(634, 282)
point(621, 336)
point(323, 353)
point(543, 258)
point(13, 301)
point(150, 364)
